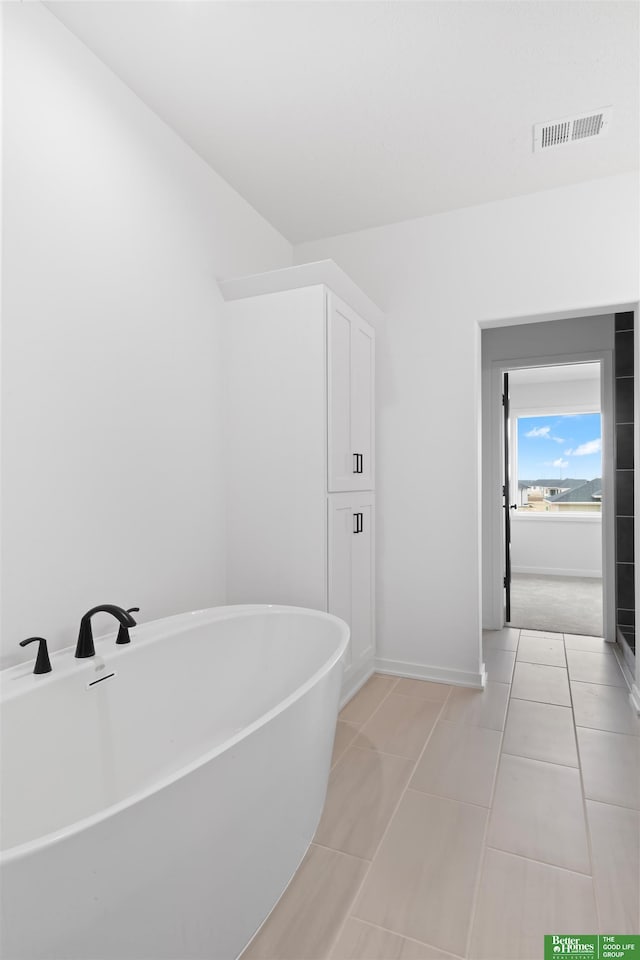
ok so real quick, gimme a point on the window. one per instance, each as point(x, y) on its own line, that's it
point(558, 462)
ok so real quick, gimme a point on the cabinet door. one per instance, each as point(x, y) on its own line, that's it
point(362, 401)
point(351, 360)
point(351, 571)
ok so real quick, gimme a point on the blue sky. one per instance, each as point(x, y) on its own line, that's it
point(565, 446)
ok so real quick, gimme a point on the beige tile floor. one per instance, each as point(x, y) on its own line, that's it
point(467, 824)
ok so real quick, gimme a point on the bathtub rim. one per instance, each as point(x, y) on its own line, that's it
point(207, 615)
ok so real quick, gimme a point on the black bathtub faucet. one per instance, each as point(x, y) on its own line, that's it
point(123, 632)
point(85, 647)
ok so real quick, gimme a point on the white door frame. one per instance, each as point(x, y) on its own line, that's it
point(494, 617)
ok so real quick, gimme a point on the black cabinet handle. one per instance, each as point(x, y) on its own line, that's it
point(358, 525)
point(357, 461)
point(43, 664)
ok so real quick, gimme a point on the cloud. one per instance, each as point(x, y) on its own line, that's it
point(585, 449)
point(560, 463)
point(544, 433)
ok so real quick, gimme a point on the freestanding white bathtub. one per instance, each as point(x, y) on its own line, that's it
point(161, 812)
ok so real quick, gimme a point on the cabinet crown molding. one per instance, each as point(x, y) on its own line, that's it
point(325, 272)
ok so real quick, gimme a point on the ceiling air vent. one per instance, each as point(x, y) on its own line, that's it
point(571, 129)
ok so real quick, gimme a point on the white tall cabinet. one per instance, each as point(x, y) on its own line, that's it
point(299, 349)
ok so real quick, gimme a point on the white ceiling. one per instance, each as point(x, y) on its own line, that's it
point(330, 117)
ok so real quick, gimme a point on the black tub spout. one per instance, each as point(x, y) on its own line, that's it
point(85, 647)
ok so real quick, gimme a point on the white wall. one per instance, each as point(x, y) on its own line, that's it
point(438, 278)
point(552, 545)
point(554, 397)
point(114, 233)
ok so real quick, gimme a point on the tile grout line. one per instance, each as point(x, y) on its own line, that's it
point(549, 703)
point(583, 793)
point(618, 806)
point(385, 697)
point(544, 863)
point(422, 943)
point(361, 726)
point(575, 726)
point(356, 895)
point(599, 683)
point(554, 763)
point(634, 736)
point(387, 753)
point(341, 755)
point(485, 846)
point(615, 733)
point(415, 696)
point(441, 796)
point(566, 766)
point(341, 927)
point(375, 710)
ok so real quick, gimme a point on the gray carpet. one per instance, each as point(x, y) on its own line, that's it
point(558, 604)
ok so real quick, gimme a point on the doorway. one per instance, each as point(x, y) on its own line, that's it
point(553, 479)
point(524, 347)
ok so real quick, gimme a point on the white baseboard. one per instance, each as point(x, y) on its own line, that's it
point(420, 671)
point(634, 696)
point(557, 572)
point(356, 679)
